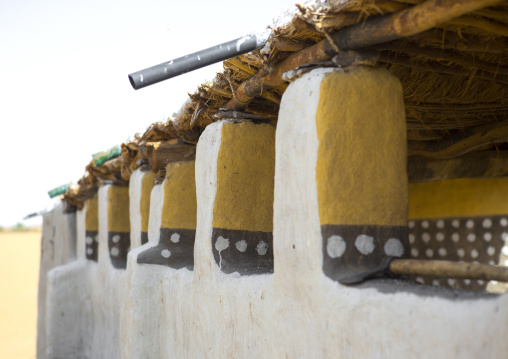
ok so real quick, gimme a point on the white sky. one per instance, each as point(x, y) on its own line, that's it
point(64, 91)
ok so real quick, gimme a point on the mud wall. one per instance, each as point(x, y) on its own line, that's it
point(245, 245)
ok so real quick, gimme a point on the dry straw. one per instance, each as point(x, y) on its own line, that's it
point(454, 76)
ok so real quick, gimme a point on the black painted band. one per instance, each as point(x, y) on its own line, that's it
point(144, 238)
point(91, 245)
point(118, 246)
point(353, 249)
point(175, 249)
point(245, 252)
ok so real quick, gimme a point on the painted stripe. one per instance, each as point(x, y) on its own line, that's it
point(470, 239)
point(349, 249)
point(175, 249)
point(245, 252)
point(464, 197)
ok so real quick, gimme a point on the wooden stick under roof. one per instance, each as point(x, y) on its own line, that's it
point(410, 21)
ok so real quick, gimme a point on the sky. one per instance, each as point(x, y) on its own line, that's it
point(64, 90)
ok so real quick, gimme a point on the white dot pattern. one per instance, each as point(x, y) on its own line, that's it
point(365, 244)
point(262, 248)
point(426, 237)
point(491, 251)
point(221, 244)
point(175, 238)
point(455, 237)
point(241, 245)
point(336, 246)
point(393, 247)
point(473, 239)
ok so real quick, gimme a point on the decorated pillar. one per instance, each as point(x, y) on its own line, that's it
point(118, 225)
point(241, 238)
point(178, 224)
point(92, 228)
point(348, 129)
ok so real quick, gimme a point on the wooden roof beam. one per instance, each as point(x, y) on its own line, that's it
point(410, 21)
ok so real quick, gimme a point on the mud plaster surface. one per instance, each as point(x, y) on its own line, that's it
point(297, 312)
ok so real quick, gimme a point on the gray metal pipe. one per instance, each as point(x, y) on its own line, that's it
point(197, 60)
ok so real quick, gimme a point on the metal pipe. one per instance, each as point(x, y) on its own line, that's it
point(197, 60)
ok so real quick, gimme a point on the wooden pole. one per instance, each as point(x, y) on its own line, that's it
point(411, 21)
point(160, 154)
point(449, 269)
point(461, 143)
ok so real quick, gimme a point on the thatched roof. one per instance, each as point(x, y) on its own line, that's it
point(454, 76)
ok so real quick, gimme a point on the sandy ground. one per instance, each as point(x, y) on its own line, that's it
point(19, 274)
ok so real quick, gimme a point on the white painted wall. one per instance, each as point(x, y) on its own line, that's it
point(297, 312)
point(317, 317)
point(142, 310)
point(58, 246)
point(135, 184)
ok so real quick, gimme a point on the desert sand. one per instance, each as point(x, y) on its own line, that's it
point(19, 274)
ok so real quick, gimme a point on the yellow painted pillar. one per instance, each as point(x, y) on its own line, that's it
point(118, 225)
point(242, 239)
point(178, 224)
point(361, 170)
point(92, 228)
